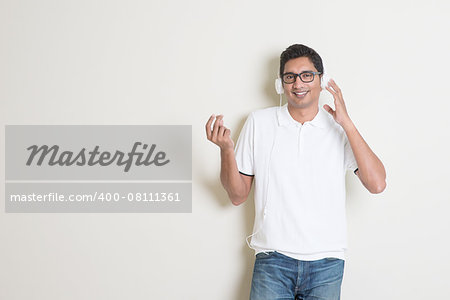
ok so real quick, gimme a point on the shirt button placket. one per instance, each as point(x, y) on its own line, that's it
point(300, 139)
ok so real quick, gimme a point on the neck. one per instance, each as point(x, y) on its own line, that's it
point(303, 115)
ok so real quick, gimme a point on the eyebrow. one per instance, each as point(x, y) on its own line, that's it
point(301, 71)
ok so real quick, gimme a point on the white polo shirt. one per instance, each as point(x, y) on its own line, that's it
point(299, 174)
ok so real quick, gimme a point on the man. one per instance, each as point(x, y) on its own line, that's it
point(297, 155)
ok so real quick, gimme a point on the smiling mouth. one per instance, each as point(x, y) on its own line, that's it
point(300, 94)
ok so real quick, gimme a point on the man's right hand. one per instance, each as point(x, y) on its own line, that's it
point(219, 134)
point(236, 184)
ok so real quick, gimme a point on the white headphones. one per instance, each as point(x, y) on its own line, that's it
point(279, 86)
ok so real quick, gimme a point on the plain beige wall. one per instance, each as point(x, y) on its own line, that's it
point(177, 62)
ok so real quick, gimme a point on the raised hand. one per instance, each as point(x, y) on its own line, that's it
point(340, 114)
point(219, 134)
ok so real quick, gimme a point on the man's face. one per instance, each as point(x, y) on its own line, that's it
point(293, 91)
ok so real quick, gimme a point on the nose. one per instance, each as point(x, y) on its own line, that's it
point(298, 83)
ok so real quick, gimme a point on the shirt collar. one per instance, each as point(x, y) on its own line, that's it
point(285, 119)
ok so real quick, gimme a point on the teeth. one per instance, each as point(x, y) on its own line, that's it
point(300, 93)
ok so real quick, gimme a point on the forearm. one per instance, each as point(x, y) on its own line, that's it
point(370, 168)
point(231, 178)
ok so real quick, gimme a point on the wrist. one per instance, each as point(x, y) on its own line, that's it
point(348, 125)
point(226, 150)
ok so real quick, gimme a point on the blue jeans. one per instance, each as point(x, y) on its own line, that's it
point(279, 277)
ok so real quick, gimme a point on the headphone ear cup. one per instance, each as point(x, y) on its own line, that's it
point(279, 86)
point(324, 81)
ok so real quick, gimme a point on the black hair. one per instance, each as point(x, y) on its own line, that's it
point(299, 50)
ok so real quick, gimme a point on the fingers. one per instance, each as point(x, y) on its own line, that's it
point(331, 90)
point(335, 90)
point(221, 130)
point(328, 109)
point(208, 127)
point(227, 132)
point(215, 129)
point(219, 134)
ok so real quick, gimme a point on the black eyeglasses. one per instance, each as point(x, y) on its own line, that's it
point(305, 76)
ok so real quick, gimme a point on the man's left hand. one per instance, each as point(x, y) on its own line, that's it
point(340, 115)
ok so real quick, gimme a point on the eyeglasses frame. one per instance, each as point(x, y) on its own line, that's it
point(299, 76)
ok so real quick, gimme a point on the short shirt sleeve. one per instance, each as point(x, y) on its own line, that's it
point(349, 158)
point(244, 148)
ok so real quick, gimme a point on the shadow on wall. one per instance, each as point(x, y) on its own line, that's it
point(215, 187)
point(273, 67)
point(243, 282)
point(271, 99)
